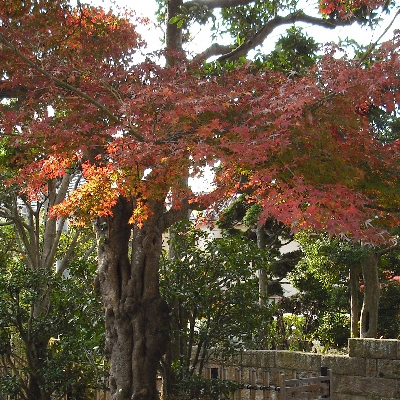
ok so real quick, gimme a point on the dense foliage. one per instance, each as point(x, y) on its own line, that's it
point(73, 359)
point(211, 286)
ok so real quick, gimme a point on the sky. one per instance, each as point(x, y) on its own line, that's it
point(201, 39)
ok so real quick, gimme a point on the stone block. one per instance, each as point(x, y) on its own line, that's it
point(341, 396)
point(388, 369)
point(344, 365)
point(374, 348)
point(298, 361)
point(265, 358)
point(370, 387)
point(371, 366)
point(258, 358)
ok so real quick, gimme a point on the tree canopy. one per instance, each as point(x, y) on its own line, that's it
point(134, 129)
point(304, 146)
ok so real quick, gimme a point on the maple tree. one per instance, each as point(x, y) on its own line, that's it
point(75, 98)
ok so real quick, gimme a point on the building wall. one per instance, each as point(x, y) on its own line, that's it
point(370, 371)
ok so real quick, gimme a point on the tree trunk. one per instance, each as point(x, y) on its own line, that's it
point(36, 349)
point(262, 273)
point(354, 304)
point(369, 311)
point(173, 34)
point(136, 316)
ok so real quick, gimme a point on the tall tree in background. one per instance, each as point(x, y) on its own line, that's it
point(58, 352)
point(37, 249)
point(133, 130)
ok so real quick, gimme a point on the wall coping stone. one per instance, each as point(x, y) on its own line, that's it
point(374, 348)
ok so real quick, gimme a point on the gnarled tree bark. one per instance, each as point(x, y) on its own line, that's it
point(137, 318)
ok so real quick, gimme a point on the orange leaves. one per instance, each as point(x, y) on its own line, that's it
point(33, 178)
point(140, 214)
point(346, 8)
point(95, 197)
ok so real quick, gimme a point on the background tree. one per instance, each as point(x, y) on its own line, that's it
point(212, 289)
point(324, 278)
point(135, 129)
point(388, 324)
point(71, 361)
point(242, 215)
point(38, 251)
point(331, 272)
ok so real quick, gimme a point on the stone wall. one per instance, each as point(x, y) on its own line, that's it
point(371, 370)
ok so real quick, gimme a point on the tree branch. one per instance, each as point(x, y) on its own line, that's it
point(67, 86)
point(269, 27)
point(214, 50)
point(17, 91)
point(211, 4)
point(6, 223)
point(386, 250)
point(373, 45)
point(63, 264)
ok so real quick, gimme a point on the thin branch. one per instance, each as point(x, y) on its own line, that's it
point(384, 209)
point(90, 251)
point(16, 92)
point(62, 266)
point(269, 27)
point(67, 86)
point(318, 103)
point(372, 46)
point(388, 249)
point(6, 223)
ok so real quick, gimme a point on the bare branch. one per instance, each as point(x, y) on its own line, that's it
point(175, 215)
point(62, 265)
point(17, 91)
point(6, 223)
point(69, 255)
point(386, 250)
point(269, 27)
point(373, 45)
point(214, 50)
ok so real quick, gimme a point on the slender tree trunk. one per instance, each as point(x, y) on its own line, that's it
point(38, 240)
point(262, 273)
point(36, 349)
point(369, 311)
point(136, 315)
point(354, 304)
